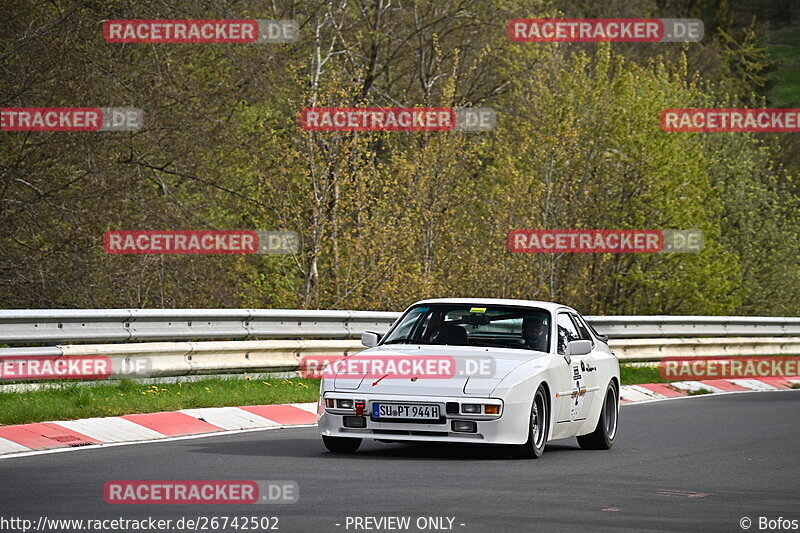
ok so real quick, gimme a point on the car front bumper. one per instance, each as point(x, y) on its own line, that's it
point(509, 427)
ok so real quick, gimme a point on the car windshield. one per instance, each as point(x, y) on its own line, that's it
point(525, 328)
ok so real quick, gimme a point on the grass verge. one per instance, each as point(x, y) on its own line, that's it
point(70, 400)
point(637, 375)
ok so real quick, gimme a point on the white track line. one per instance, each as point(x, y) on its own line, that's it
point(9, 446)
point(229, 418)
point(754, 384)
point(627, 392)
point(110, 429)
point(310, 407)
point(647, 392)
point(694, 386)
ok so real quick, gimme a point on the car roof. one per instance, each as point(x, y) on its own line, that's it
point(550, 306)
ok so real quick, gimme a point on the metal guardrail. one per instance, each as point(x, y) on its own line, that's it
point(666, 326)
point(653, 350)
point(186, 358)
point(29, 326)
point(293, 334)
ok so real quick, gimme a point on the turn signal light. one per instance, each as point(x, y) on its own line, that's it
point(491, 409)
point(329, 402)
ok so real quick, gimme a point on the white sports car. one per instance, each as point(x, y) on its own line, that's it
point(509, 372)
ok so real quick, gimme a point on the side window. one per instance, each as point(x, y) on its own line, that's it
point(407, 326)
point(583, 332)
point(404, 329)
point(566, 332)
point(421, 326)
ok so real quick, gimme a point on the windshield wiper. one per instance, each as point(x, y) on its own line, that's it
point(398, 341)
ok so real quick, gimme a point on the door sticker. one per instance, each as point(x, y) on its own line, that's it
point(577, 395)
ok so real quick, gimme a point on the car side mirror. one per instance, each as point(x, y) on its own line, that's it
point(581, 347)
point(370, 339)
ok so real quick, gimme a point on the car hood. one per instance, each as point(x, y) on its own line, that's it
point(478, 370)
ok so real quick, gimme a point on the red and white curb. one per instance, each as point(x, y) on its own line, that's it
point(43, 437)
point(679, 389)
point(151, 426)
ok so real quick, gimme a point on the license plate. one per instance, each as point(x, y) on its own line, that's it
point(403, 410)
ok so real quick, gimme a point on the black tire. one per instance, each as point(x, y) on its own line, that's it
point(602, 438)
point(538, 425)
point(341, 444)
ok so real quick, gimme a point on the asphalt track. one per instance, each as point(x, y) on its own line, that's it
point(701, 463)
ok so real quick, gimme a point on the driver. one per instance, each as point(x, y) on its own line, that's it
point(534, 333)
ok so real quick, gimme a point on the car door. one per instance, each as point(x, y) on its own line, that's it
point(589, 368)
point(578, 375)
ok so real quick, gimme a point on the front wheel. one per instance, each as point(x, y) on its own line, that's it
point(537, 428)
point(602, 438)
point(341, 444)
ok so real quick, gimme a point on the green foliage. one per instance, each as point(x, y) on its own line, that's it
point(388, 218)
point(746, 64)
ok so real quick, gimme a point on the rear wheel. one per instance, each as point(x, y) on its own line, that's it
point(537, 428)
point(602, 438)
point(341, 444)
